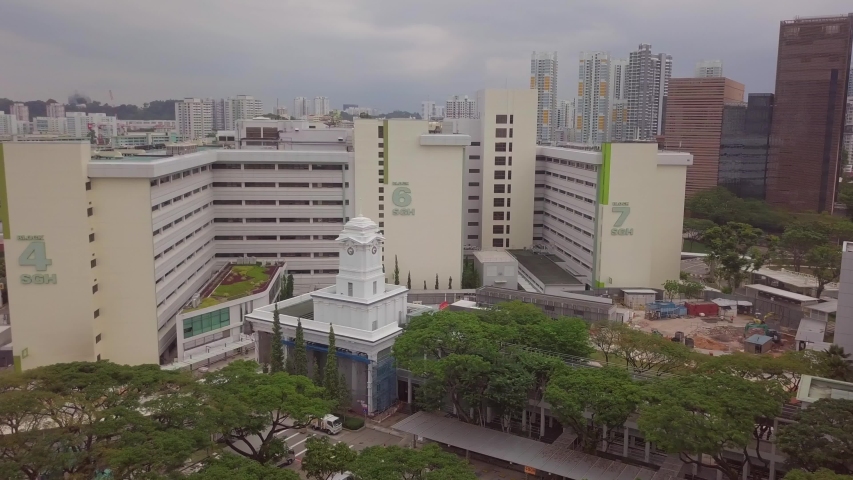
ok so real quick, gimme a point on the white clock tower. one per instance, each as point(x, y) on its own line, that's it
point(360, 272)
point(360, 298)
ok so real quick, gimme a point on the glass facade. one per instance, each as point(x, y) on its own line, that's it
point(745, 146)
point(206, 322)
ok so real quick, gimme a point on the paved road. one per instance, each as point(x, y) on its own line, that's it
point(356, 440)
point(695, 267)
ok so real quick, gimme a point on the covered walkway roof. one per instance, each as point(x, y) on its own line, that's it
point(543, 457)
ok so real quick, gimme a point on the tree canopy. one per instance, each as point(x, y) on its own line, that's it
point(324, 459)
point(76, 418)
point(248, 409)
point(708, 414)
point(233, 467)
point(733, 251)
point(396, 463)
point(821, 438)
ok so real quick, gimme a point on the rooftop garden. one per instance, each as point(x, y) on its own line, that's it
point(238, 281)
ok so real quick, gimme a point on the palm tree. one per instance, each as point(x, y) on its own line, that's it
point(837, 364)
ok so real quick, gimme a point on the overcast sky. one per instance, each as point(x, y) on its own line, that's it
point(388, 54)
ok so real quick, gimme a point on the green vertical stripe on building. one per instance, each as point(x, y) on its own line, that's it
point(387, 151)
point(4, 197)
point(604, 175)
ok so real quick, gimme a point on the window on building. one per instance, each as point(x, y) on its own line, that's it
point(475, 144)
point(500, 133)
point(473, 157)
point(227, 202)
point(381, 131)
point(259, 184)
point(206, 322)
point(500, 188)
point(500, 147)
point(510, 133)
point(91, 237)
point(473, 170)
point(499, 202)
point(88, 185)
point(500, 119)
point(293, 166)
point(98, 338)
point(497, 215)
point(473, 224)
point(473, 197)
point(90, 211)
point(500, 174)
point(497, 229)
point(511, 119)
point(375, 287)
point(473, 210)
point(473, 237)
point(500, 160)
point(473, 184)
point(93, 263)
point(497, 242)
point(95, 288)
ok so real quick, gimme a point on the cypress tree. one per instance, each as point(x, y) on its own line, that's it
point(289, 293)
point(436, 281)
point(425, 285)
point(396, 271)
point(300, 357)
point(409, 281)
point(332, 376)
point(450, 283)
point(276, 349)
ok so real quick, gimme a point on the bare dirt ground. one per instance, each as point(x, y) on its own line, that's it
point(710, 334)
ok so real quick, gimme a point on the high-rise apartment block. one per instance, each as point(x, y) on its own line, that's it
point(241, 107)
point(194, 117)
point(648, 82)
point(321, 106)
point(429, 110)
point(694, 122)
point(618, 101)
point(460, 107)
point(79, 124)
point(55, 110)
point(708, 69)
point(281, 112)
point(20, 111)
point(543, 79)
point(300, 107)
point(8, 124)
point(50, 125)
point(593, 106)
point(808, 116)
point(566, 114)
point(745, 145)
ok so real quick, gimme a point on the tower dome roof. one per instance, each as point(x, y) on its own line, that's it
point(360, 229)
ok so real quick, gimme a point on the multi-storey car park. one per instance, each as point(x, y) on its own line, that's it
point(126, 259)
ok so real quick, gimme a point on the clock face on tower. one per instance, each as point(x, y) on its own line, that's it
point(373, 250)
point(350, 250)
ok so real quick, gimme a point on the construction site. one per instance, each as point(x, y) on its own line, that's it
point(713, 327)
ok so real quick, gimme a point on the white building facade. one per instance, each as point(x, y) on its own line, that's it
point(321, 106)
point(8, 124)
point(708, 69)
point(50, 125)
point(593, 107)
point(55, 110)
point(543, 79)
point(194, 117)
point(460, 107)
point(79, 124)
point(20, 111)
point(648, 85)
point(617, 121)
point(300, 108)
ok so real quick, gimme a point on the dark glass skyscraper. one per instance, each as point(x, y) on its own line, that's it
point(808, 116)
point(745, 145)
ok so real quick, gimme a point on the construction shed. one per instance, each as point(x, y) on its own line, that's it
point(702, 309)
point(658, 310)
point(758, 344)
point(638, 297)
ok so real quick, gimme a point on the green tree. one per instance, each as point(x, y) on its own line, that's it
point(694, 228)
point(691, 289)
point(409, 281)
point(425, 285)
point(845, 196)
point(835, 364)
point(336, 391)
point(606, 338)
point(436, 281)
point(277, 348)
point(396, 463)
point(297, 360)
point(687, 414)
point(249, 409)
point(821, 474)
point(282, 289)
point(509, 385)
point(396, 271)
point(825, 262)
point(671, 288)
point(71, 419)
point(821, 438)
point(289, 285)
point(786, 370)
point(607, 395)
point(234, 467)
point(324, 459)
point(650, 353)
point(450, 283)
point(734, 251)
point(796, 243)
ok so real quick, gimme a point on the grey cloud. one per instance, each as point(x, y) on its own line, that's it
point(382, 53)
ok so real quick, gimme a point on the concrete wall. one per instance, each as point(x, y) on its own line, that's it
point(519, 169)
point(52, 322)
point(844, 316)
point(430, 241)
point(644, 251)
point(125, 269)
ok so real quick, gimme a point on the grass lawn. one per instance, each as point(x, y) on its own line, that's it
point(693, 247)
point(249, 278)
